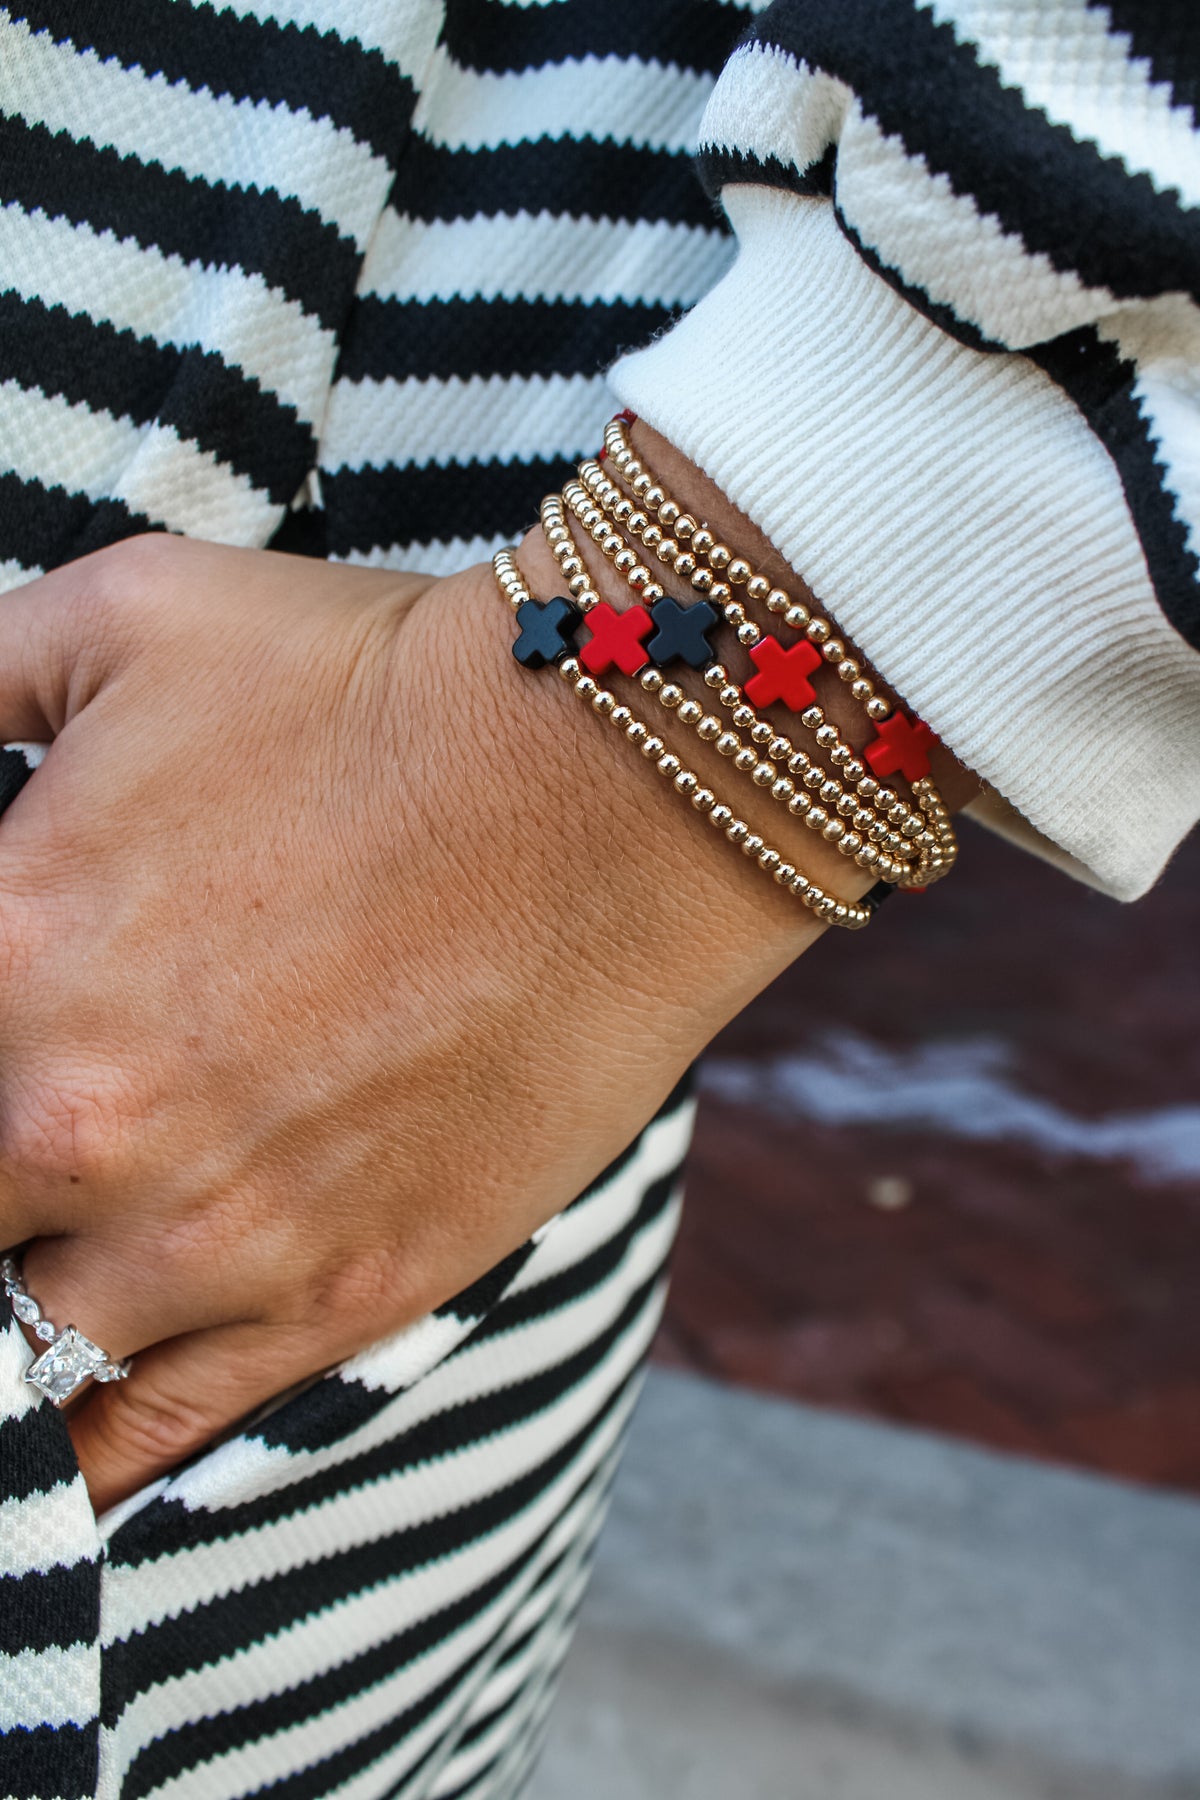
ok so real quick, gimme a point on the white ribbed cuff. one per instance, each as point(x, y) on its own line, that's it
point(958, 518)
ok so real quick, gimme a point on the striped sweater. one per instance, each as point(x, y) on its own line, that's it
point(358, 278)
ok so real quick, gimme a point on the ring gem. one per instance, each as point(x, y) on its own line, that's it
point(66, 1365)
point(27, 1310)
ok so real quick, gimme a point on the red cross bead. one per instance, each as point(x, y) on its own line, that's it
point(900, 745)
point(616, 638)
point(783, 674)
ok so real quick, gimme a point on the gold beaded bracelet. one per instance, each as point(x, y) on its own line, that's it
point(633, 514)
point(873, 824)
point(850, 915)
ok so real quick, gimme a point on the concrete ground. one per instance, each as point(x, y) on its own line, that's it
point(790, 1605)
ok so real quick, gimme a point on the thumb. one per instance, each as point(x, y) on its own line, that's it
point(63, 636)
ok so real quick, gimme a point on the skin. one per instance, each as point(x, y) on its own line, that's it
point(339, 953)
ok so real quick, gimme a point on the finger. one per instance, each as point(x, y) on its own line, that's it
point(120, 1296)
point(178, 1398)
point(61, 635)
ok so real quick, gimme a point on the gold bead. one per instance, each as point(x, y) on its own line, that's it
point(779, 749)
point(641, 485)
point(737, 831)
point(743, 716)
point(730, 695)
point(748, 634)
point(728, 744)
point(778, 601)
point(702, 580)
point(826, 736)
point(868, 787)
point(751, 844)
point(638, 523)
point(784, 873)
point(784, 788)
point(652, 592)
point(816, 817)
point(862, 689)
point(571, 565)
point(720, 593)
point(685, 782)
point(667, 551)
point(622, 512)
point(716, 675)
point(668, 512)
point(768, 860)
point(689, 712)
point(813, 717)
point(884, 799)
point(557, 534)
point(799, 804)
point(764, 774)
point(851, 843)
point(600, 531)
point(799, 883)
point(720, 556)
point(638, 576)
point(568, 668)
point(898, 813)
point(867, 857)
point(585, 687)
point(651, 679)
point(653, 498)
point(685, 525)
point(587, 598)
point(685, 565)
point(848, 669)
point(761, 732)
point(847, 805)
point(834, 830)
point(612, 543)
point(629, 466)
point(720, 816)
point(635, 731)
point(799, 762)
point(830, 790)
point(878, 708)
point(757, 588)
point(818, 631)
point(797, 616)
point(735, 614)
point(620, 717)
point(708, 728)
point(652, 536)
point(739, 571)
point(670, 695)
point(746, 758)
point(603, 702)
point(834, 650)
point(652, 746)
point(703, 799)
point(702, 541)
point(840, 754)
point(577, 584)
point(669, 765)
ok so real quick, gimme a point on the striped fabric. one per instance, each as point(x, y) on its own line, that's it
point(344, 276)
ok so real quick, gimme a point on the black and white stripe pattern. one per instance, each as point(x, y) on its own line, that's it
point(345, 276)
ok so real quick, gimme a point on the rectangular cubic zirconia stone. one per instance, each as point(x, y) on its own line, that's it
point(65, 1366)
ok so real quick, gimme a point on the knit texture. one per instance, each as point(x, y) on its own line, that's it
point(954, 374)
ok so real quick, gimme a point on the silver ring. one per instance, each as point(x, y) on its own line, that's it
point(71, 1358)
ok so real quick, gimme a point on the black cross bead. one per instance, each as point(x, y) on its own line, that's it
point(547, 632)
point(682, 634)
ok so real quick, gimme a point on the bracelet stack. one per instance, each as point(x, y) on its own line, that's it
point(631, 518)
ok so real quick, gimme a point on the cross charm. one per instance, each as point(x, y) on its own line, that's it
point(682, 634)
point(547, 630)
point(616, 638)
point(783, 674)
point(900, 745)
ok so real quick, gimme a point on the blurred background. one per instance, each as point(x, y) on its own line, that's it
point(911, 1506)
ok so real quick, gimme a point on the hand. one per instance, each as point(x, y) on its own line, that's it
point(338, 955)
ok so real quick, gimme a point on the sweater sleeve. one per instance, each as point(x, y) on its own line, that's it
point(954, 373)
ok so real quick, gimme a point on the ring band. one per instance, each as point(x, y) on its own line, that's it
point(71, 1358)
